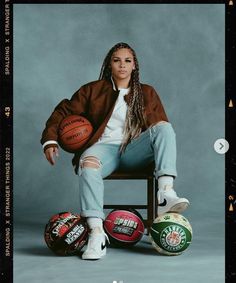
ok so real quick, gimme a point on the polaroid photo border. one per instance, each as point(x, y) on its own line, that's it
point(7, 119)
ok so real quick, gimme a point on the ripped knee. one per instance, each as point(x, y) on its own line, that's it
point(90, 162)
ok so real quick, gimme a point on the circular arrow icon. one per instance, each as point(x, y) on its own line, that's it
point(221, 146)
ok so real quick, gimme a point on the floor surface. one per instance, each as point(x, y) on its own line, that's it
point(202, 262)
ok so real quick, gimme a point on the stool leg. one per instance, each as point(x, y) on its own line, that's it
point(150, 202)
point(155, 197)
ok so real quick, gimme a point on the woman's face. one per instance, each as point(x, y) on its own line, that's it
point(122, 64)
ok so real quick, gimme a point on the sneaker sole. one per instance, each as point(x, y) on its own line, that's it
point(93, 257)
point(179, 207)
point(90, 258)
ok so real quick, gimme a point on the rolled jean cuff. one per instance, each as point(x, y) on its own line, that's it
point(93, 213)
point(165, 172)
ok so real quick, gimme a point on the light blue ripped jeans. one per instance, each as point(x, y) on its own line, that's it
point(156, 143)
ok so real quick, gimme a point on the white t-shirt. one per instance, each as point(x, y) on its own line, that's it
point(113, 132)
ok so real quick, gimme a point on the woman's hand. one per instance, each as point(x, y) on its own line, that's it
point(50, 154)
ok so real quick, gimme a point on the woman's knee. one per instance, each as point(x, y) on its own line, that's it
point(90, 162)
point(163, 132)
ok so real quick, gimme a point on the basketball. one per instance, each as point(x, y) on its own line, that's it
point(74, 132)
point(66, 233)
point(124, 227)
point(171, 234)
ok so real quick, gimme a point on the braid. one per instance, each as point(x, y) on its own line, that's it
point(135, 119)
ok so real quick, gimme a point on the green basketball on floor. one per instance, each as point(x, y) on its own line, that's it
point(171, 234)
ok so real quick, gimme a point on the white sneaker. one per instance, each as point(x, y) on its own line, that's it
point(96, 247)
point(168, 201)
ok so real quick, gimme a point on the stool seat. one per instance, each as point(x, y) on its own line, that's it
point(147, 172)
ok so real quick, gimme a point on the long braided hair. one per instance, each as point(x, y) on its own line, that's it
point(135, 118)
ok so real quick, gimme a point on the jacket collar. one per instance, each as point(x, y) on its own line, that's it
point(114, 85)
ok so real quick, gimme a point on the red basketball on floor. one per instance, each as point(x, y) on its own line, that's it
point(124, 227)
point(66, 233)
point(74, 132)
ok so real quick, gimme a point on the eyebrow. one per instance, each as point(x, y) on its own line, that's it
point(120, 57)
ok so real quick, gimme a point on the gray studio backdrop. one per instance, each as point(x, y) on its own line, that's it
point(58, 48)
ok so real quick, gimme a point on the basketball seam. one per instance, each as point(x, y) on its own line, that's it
point(61, 135)
point(122, 240)
point(68, 144)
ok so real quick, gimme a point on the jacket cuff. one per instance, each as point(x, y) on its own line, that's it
point(49, 144)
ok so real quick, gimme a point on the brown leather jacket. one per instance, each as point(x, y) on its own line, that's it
point(95, 101)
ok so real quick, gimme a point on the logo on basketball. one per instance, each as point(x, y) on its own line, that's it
point(124, 226)
point(173, 238)
point(74, 234)
point(58, 230)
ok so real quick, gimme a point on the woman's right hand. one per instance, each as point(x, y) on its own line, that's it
point(51, 153)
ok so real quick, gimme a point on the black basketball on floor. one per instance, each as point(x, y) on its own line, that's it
point(66, 233)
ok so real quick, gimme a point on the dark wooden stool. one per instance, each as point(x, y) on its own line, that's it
point(144, 174)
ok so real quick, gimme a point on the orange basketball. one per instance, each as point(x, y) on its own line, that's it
point(74, 132)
